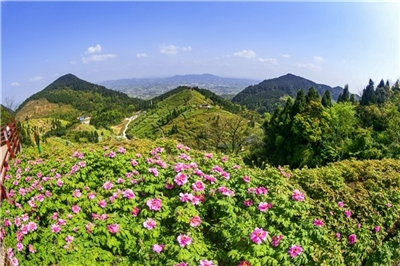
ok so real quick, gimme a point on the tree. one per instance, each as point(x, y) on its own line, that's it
point(368, 95)
point(230, 133)
point(300, 103)
point(326, 100)
point(312, 95)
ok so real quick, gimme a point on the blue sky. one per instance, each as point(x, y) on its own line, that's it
point(334, 43)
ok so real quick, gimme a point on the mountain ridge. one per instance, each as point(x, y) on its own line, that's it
point(269, 94)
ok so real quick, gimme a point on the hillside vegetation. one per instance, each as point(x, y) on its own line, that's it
point(266, 96)
point(172, 205)
point(196, 117)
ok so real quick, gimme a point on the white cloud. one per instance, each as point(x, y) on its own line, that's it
point(37, 78)
point(94, 49)
point(318, 59)
point(98, 57)
point(286, 56)
point(73, 62)
point(173, 49)
point(186, 49)
point(307, 66)
point(15, 84)
point(268, 60)
point(141, 55)
point(245, 54)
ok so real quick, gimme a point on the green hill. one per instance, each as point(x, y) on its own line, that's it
point(195, 117)
point(82, 98)
point(269, 94)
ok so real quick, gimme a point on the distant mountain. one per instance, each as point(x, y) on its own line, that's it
point(269, 94)
point(69, 97)
point(147, 88)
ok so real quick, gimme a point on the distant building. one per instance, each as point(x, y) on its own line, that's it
point(204, 106)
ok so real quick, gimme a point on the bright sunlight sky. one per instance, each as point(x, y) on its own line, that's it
point(333, 43)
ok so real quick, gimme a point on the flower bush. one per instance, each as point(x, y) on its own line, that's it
point(177, 206)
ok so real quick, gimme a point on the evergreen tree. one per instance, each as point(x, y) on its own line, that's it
point(368, 95)
point(312, 95)
point(299, 104)
point(346, 94)
point(326, 100)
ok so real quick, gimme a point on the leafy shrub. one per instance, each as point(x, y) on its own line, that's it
point(173, 205)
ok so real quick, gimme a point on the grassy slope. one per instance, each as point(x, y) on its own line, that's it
point(190, 123)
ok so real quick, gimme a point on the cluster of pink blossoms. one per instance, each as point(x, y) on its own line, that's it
point(297, 195)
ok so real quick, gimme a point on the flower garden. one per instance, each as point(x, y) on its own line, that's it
point(175, 206)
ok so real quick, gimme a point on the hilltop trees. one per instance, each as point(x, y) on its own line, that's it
point(311, 131)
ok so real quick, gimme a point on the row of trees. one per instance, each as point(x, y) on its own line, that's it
point(311, 131)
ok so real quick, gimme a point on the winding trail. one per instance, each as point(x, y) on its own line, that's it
point(126, 126)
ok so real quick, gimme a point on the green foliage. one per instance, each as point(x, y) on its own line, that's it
point(229, 209)
point(313, 132)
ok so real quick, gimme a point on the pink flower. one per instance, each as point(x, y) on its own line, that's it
point(297, 195)
point(17, 221)
point(182, 264)
point(108, 185)
point(377, 228)
point(31, 248)
point(154, 204)
point(244, 263)
point(102, 203)
point(158, 248)
point(340, 204)
point(149, 224)
point(183, 240)
point(195, 221)
point(61, 222)
point(318, 223)
point(91, 195)
point(14, 261)
point(248, 202)
point(169, 186)
point(89, 227)
point(153, 171)
point(135, 211)
point(77, 193)
point(20, 246)
point(69, 238)
point(347, 213)
point(32, 226)
point(121, 150)
point(389, 204)
point(180, 179)
point(198, 186)
point(6, 222)
point(275, 240)
point(258, 235)
point(295, 251)
point(207, 263)
point(54, 216)
point(59, 183)
point(263, 206)
point(76, 208)
point(128, 194)
point(55, 228)
point(225, 175)
point(261, 191)
point(352, 239)
point(246, 179)
point(120, 180)
point(358, 225)
point(226, 191)
point(337, 235)
point(224, 159)
point(210, 178)
point(208, 155)
point(185, 197)
point(113, 228)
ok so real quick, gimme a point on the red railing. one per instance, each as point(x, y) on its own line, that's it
point(10, 146)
